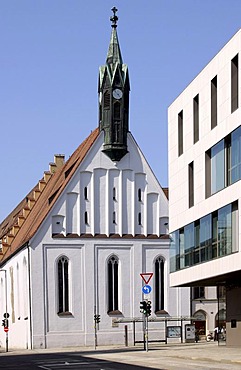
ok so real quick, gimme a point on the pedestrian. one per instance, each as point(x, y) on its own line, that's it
point(216, 330)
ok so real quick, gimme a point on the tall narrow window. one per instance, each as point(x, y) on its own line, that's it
point(214, 102)
point(112, 266)
point(191, 184)
point(159, 284)
point(86, 193)
point(139, 195)
point(86, 218)
point(139, 218)
point(114, 193)
point(63, 285)
point(234, 83)
point(114, 218)
point(196, 119)
point(180, 133)
point(106, 100)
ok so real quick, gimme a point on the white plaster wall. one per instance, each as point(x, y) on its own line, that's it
point(17, 301)
point(179, 211)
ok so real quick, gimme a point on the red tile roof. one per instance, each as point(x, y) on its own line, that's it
point(19, 227)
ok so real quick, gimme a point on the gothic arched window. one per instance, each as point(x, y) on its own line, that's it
point(112, 266)
point(159, 284)
point(63, 284)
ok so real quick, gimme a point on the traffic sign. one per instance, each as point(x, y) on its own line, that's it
point(6, 329)
point(146, 276)
point(146, 289)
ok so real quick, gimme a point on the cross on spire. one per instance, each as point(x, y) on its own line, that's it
point(114, 18)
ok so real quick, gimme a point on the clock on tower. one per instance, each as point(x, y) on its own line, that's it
point(114, 88)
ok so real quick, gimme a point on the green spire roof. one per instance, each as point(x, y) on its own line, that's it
point(114, 53)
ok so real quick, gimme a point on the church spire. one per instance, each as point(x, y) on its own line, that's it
point(113, 91)
point(114, 53)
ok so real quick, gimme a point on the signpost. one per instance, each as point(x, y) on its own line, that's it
point(146, 305)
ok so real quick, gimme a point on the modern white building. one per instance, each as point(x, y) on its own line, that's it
point(76, 244)
point(204, 184)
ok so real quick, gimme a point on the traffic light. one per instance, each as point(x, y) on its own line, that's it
point(148, 308)
point(143, 307)
point(5, 323)
point(97, 319)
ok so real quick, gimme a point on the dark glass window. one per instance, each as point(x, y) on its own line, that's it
point(159, 284)
point(198, 292)
point(196, 119)
point(114, 218)
point(217, 167)
point(63, 285)
point(214, 105)
point(212, 236)
point(190, 184)
point(234, 83)
point(180, 133)
point(85, 193)
point(112, 266)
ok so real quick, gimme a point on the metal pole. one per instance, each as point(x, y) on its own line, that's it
point(146, 333)
point(6, 307)
point(95, 326)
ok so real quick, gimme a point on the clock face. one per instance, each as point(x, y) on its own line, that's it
point(117, 94)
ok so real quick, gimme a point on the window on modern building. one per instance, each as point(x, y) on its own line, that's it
point(213, 236)
point(223, 163)
point(113, 289)
point(198, 292)
point(85, 193)
point(215, 178)
point(159, 284)
point(86, 218)
point(196, 119)
point(190, 185)
point(214, 102)
point(63, 285)
point(139, 195)
point(234, 83)
point(180, 133)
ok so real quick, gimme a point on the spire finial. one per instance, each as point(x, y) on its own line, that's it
point(114, 18)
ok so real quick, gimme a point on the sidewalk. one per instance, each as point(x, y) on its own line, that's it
point(203, 352)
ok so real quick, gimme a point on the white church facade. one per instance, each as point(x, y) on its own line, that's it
point(76, 244)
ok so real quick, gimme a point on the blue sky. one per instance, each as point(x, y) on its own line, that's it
point(49, 58)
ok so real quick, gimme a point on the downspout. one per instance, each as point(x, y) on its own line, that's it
point(30, 299)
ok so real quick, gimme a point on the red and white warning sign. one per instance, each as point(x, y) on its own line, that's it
point(146, 276)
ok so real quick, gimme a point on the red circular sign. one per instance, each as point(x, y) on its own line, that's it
point(6, 329)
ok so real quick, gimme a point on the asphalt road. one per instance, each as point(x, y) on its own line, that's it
point(58, 361)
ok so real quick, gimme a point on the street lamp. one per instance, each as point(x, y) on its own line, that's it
point(6, 307)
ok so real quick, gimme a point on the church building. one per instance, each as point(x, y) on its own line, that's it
point(76, 245)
